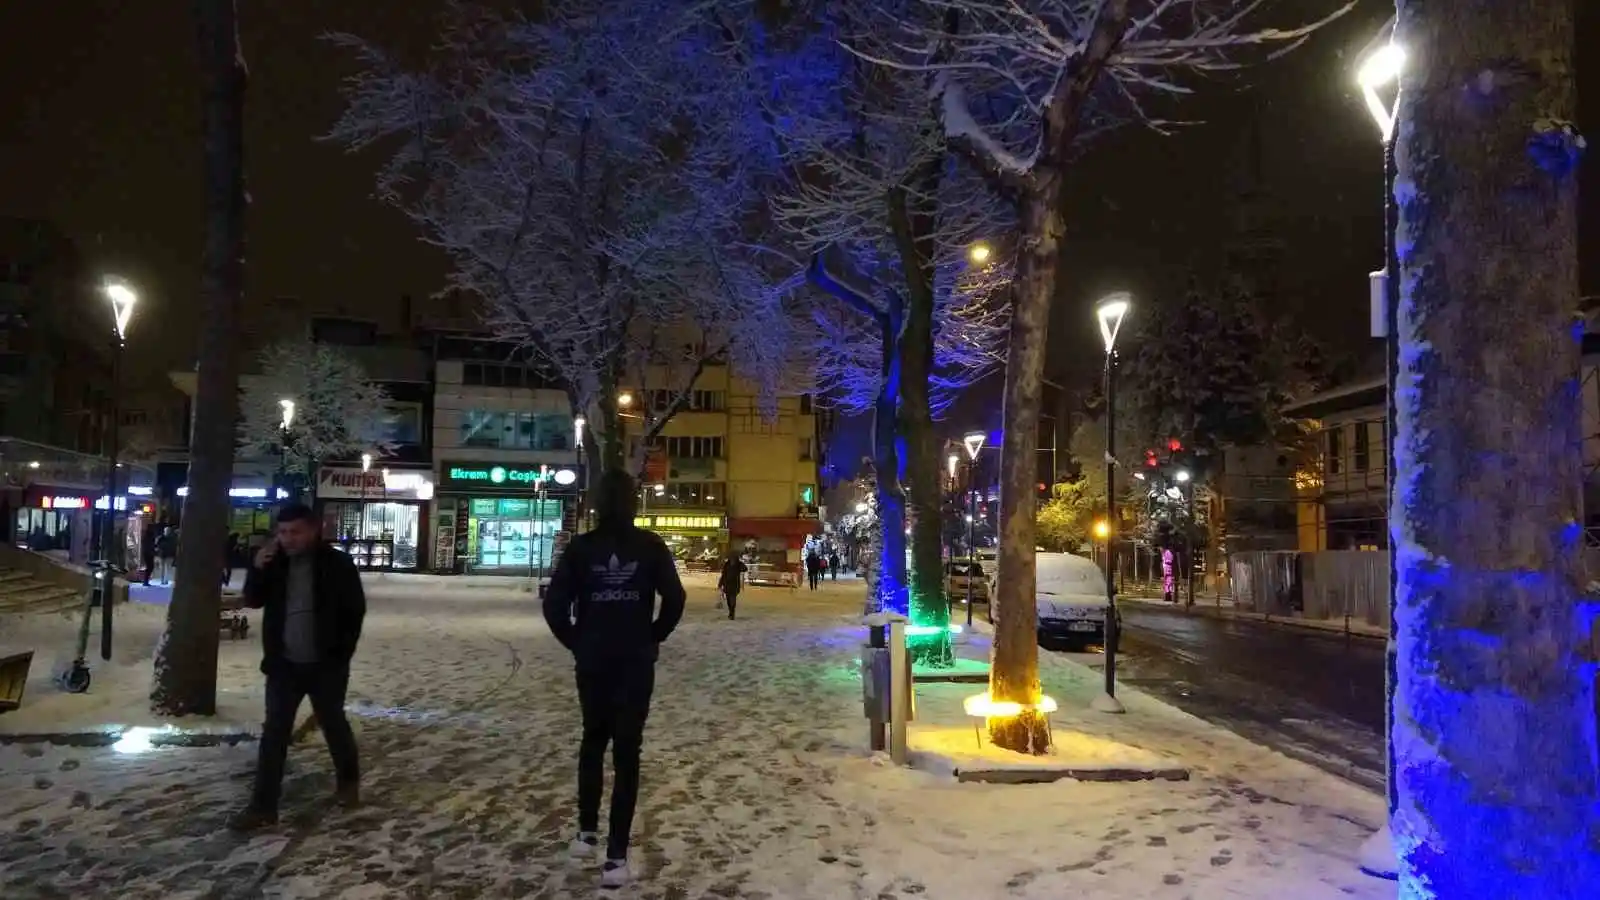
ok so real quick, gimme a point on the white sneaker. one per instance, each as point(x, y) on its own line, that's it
point(615, 874)
point(584, 845)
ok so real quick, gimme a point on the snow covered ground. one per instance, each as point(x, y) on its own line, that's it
point(756, 783)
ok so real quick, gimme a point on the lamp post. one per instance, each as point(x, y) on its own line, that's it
point(1382, 63)
point(286, 408)
point(1110, 312)
point(366, 466)
point(973, 441)
point(1186, 494)
point(122, 299)
point(578, 424)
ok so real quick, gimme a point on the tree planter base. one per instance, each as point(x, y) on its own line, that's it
point(963, 671)
point(1047, 775)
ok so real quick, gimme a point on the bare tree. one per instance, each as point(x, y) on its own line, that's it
point(185, 680)
point(877, 192)
point(1495, 703)
point(577, 169)
point(1019, 85)
point(339, 412)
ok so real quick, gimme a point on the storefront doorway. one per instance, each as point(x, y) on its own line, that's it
point(377, 535)
point(512, 534)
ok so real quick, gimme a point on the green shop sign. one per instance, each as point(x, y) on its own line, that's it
point(510, 476)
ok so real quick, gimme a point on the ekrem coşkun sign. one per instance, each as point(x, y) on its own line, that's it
point(485, 475)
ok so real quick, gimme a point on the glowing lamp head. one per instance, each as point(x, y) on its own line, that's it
point(366, 462)
point(1382, 66)
point(578, 424)
point(1109, 312)
point(1181, 476)
point(951, 462)
point(974, 443)
point(1102, 529)
point(287, 408)
point(625, 399)
point(861, 507)
point(122, 299)
point(979, 253)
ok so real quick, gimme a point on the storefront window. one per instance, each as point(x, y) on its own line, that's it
point(377, 535)
point(44, 529)
point(512, 533)
point(691, 493)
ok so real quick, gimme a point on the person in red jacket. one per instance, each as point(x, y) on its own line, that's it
point(601, 607)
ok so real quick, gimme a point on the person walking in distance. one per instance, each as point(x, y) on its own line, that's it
point(167, 552)
point(813, 568)
point(833, 565)
point(312, 608)
point(731, 582)
point(601, 607)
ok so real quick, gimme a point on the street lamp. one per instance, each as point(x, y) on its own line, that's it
point(1382, 64)
point(122, 298)
point(578, 424)
point(366, 466)
point(973, 441)
point(625, 399)
point(285, 422)
point(1110, 312)
point(979, 253)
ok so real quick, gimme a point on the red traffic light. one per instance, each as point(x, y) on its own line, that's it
point(1150, 459)
point(1174, 444)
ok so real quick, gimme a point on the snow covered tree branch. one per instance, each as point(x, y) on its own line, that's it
point(338, 412)
point(584, 172)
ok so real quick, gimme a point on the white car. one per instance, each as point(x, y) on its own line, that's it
point(1070, 600)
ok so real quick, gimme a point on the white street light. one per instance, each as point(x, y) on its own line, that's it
point(578, 423)
point(1382, 67)
point(979, 253)
point(1181, 475)
point(1109, 312)
point(366, 463)
point(974, 443)
point(625, 399)
point(122, 299)
point(951, 462)
point(288, 413)
point(861, 507)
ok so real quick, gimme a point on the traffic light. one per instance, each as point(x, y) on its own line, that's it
point(1150, 460)
point(1174, 445)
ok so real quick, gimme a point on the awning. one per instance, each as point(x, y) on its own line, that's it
point(774, 528)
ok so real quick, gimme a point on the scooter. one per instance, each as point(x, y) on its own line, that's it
point(75, 678)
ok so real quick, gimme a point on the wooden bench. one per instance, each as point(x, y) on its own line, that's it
point(13, 679)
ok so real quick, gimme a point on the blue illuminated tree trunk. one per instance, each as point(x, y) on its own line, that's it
point(1495, 716)
point(892, 595)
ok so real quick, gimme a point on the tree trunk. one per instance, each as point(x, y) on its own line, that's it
point(186, 660)
point(1014, 672)
point(891, 583)
point(1495, 721)
point(913, 224)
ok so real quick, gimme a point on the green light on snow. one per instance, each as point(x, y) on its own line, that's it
point(930, 630)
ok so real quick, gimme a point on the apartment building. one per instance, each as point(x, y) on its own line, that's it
point(726, 475)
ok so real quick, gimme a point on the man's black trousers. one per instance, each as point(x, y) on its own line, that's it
point(325, 685)
point(615, 697)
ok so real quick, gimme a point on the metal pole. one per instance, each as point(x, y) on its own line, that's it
point(109, 527)
point(1391, 341)
point(1188, 542)
point(1111, 523)
point(972, 545)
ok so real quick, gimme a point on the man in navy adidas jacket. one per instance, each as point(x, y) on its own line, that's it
point(601, 605)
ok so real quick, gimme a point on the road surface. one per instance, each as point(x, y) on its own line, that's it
point(1312, 696)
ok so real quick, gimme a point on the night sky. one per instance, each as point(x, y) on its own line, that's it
point(99, 132)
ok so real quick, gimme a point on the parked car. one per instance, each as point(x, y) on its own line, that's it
point(1070, 601)
point(960, 575)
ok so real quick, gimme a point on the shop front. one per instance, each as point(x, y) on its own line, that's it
point(62, 521)
point(503, 519)
point(698, 539)
point(376, 515)
point(251, 504)
point(776, 542)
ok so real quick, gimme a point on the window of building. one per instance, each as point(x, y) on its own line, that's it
point(805, 404)
point(501, 374)
point(1362, 450)
point(490, 429)
point(807, 449)
point(686, 447)
point(691, 493)
point(1336, 450)
point(402, 423)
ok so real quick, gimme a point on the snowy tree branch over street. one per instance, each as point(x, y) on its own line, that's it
point(585, 173)
point(1018, 87)
point(338, 412)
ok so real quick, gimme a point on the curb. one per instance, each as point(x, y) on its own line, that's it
point(107, 739)
point(1047, 776)
point(1213, 612)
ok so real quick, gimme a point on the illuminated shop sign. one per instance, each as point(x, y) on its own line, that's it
point(244, 493)
point(690, 523)
point(80, 503)
point(530, 476)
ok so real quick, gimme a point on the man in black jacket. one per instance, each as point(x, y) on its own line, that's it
point(601, 606)
point(312, 607)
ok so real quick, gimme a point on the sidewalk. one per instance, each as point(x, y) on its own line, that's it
point(757, 782)
point(1222, 608)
